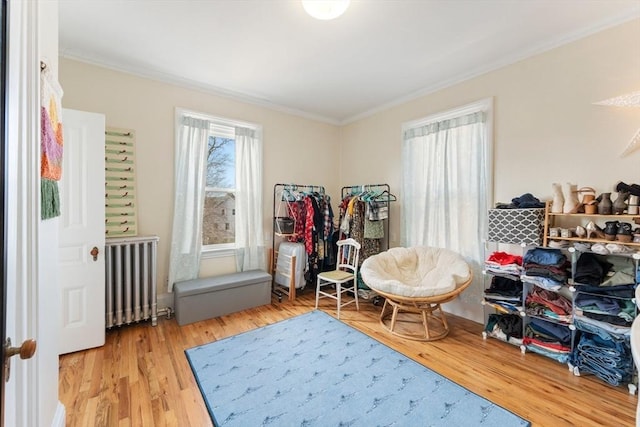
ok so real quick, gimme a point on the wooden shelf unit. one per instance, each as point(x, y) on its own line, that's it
point(550, 218)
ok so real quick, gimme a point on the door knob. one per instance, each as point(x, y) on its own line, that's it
point(26, 351)
point(94, 253)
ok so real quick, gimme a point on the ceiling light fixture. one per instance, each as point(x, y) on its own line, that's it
point(627, 100)
point(325, 9)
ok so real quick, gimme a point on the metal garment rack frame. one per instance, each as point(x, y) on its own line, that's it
point(384, 189)
point(278, 197)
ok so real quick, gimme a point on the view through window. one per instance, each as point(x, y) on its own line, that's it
point(218, 223)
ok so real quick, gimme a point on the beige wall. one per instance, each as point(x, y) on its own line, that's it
point(296, 150)
point(546, 128)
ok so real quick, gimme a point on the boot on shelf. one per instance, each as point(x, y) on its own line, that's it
point(629, 188)
point(558, 199)
point(605, 206)
point(625, 232)
point(620, 205)
point(571, 202)
point(634, 201)
point(611, 230)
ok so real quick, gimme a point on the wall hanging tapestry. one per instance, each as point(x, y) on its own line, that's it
point(50, 143)
point(120, 194)
point(313, 370)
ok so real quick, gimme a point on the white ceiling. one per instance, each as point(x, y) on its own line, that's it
point(379, 53)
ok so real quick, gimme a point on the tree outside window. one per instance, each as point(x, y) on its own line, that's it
point(219, 205)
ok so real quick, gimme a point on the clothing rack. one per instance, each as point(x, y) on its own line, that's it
point(287, 194)
point(371, 193)
point(377, 196)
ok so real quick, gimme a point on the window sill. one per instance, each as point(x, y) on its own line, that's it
point(223, 252)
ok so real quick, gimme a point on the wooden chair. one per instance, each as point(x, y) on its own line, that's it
point(343, 278)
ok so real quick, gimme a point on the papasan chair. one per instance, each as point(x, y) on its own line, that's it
point(416, 280)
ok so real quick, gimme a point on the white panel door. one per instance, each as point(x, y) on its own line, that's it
point(82, 228)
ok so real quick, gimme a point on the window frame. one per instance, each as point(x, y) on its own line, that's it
point(221, 249)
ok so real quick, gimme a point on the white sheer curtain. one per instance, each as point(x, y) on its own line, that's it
point(250, 253)
point(447, 188)
point(190, 177)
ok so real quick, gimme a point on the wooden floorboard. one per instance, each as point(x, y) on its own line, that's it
point(141, 377)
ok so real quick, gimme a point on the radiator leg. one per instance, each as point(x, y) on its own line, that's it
point(154, 296)
point(118, 289)
point(138, 282)
point(127, 284)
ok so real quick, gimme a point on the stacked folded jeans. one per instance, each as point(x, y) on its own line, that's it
point(608, 359)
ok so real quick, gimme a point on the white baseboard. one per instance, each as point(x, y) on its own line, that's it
point(60, 417)
point(165, 300)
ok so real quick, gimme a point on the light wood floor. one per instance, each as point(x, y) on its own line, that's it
point(141, 376)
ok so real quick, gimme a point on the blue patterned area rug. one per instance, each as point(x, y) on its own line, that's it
point(313, 370)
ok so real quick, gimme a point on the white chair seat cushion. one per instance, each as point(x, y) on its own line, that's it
point(415, 272)
point(336, 275)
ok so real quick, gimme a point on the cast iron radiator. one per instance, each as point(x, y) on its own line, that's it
point(131, 293)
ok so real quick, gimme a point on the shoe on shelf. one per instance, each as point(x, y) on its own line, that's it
point(557, 203)
point(625, 232)
point(629, 188)
point(571, 202)
point(559, 244)
point(593, 231)
point(582, 246)
point(611, 230)
point(615, 248)
point(620, 204)
point(600, 249)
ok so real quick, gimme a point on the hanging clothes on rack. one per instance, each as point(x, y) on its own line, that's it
point(364, 214)
point(310, 209)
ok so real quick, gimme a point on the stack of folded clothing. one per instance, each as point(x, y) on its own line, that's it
point(546, 267)
point(605, 311)
point(504, 294)
point(506, 327)
point(591, 269)
point(504, 263)
point(604, 271)
point(548, 304)
point(606, 308)
point(609, 360)
point(549, 339)
point(526, 201)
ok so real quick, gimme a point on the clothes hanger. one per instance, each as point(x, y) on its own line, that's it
point(390, 197)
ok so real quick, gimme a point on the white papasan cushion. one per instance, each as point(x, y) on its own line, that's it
point(419, 271)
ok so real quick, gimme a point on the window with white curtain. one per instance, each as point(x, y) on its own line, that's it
point(218, 194)
point(447, 182)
